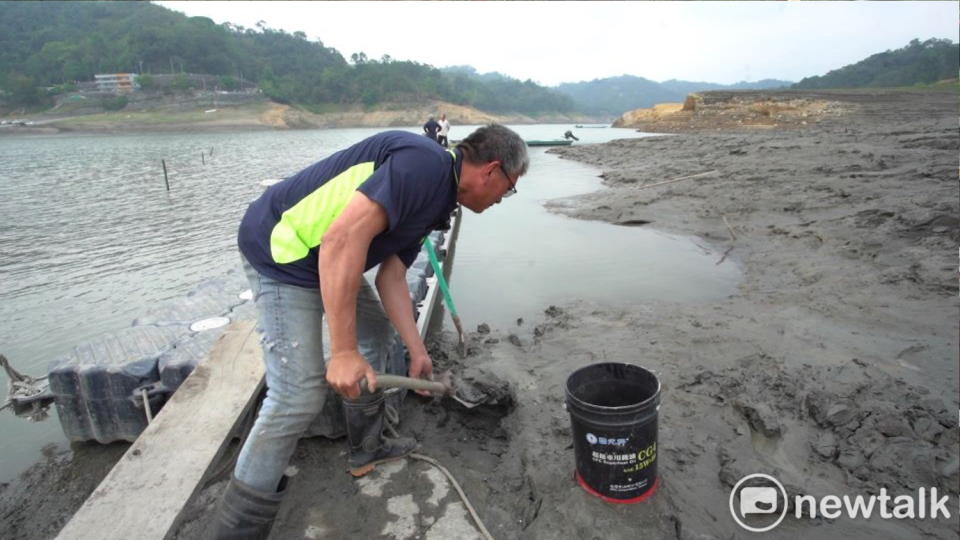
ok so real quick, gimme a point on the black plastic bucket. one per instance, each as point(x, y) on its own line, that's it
point(613, 411)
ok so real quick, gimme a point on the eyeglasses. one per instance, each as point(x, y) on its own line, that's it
point(513, 185)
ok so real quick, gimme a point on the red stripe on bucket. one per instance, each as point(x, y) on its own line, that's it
point(641, 498)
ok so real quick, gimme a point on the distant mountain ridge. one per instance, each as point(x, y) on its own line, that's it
point(612, 96)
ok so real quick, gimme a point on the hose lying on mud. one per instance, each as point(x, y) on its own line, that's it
point(392, 418)
point(463, 496)
point(473, 513)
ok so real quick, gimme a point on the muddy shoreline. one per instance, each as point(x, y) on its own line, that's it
point(158, 116)
point(834, 368)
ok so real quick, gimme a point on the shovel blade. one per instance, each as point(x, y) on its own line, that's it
point(450, 382)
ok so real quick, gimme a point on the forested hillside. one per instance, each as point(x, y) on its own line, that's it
point(920, 62)
point(46, 47)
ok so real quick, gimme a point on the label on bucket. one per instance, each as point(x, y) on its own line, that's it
point(631, 461)
point(620, 465)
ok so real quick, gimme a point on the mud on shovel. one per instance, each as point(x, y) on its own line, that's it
point(442, 282)
point(444, 386)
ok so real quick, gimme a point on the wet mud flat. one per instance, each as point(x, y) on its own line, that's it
point(834, 368)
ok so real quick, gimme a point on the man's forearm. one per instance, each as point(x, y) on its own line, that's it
point(341, 268)
point(395, 296)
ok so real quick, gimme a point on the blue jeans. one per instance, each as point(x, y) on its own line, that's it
point(290, 318)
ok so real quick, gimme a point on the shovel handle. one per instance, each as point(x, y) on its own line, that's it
point(397, 381)
point(441, 281)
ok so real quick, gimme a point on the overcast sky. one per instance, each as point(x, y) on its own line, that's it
point(554, 42)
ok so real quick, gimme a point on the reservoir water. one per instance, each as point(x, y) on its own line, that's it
point(90, 239)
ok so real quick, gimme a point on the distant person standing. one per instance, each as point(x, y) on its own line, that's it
point(444, 130)
point(431, 128)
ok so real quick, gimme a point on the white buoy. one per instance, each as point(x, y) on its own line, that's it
point(209, 324)
point(246, 295)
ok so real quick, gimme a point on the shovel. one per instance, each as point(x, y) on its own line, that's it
point(442, 282)
point(444, 386)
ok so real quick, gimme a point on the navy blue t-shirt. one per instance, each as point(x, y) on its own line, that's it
point(409, 175)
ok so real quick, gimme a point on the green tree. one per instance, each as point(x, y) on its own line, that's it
point(22, 90)
point(147, 82)
point(229, 83)
point(181, 83)
point(115, 103)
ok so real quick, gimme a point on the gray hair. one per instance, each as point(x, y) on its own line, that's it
point(494, 142)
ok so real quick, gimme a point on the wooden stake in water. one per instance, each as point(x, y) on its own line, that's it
point(165, 181)
point(211, 151)
point(202, 161)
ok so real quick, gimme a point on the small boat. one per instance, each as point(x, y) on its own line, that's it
point(556, 142)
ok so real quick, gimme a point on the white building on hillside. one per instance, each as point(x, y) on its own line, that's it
point(118, 83)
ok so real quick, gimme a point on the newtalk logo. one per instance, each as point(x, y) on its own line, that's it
point(758, 503)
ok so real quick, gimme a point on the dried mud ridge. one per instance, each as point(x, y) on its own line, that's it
point(877, 430)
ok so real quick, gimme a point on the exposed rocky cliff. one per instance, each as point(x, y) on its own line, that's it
point(724, 110)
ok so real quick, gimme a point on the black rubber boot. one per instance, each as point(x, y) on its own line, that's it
point(368, 446)
point(246, 513)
